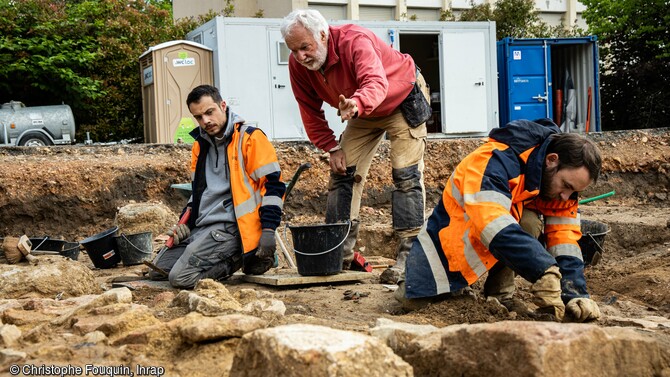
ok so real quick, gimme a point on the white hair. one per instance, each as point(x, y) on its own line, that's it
point(311, 19)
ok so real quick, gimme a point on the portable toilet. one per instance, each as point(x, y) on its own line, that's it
point(169, 72)
point(550, 78)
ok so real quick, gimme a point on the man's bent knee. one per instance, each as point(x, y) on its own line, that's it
point(407, 198)
point(340, 192)
point(181, 278)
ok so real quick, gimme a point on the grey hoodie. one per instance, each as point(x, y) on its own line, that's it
point(216, 204)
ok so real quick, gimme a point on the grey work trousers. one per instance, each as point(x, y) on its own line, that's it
point(213, 251)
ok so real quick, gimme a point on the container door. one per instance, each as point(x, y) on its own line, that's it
point(286, 121)
point(463, 65)
point(529, 80)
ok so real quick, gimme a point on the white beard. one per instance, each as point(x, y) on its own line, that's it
point(319, 59)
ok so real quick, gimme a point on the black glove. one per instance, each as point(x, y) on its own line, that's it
point(179, 233)
point(267, 245)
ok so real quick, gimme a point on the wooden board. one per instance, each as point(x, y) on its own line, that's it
point(291, 277)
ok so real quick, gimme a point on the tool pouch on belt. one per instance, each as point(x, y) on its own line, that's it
point(415, 108)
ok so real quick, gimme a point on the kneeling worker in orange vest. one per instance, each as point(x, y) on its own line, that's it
point(237, 198)
point(499, 199)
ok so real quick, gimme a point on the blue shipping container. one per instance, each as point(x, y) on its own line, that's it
point(550, 78)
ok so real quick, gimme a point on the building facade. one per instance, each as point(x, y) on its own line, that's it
point(553, 12)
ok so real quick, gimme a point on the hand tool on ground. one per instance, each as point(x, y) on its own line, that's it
point(360, 264)
point(168, 244)
point(44, 252)
point(588, 200)
point(156, 268)
point(170, 241)
point(289, 188)
point(18, 248)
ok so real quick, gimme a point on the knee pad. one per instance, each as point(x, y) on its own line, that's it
point(340, 191)
point(407, 198)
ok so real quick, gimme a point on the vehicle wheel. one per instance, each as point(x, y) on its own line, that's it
point(35, 139)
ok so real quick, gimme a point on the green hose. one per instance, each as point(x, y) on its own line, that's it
point(588, 200)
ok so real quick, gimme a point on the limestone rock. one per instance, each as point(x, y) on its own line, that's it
point(112, 296)
point(163, 299)
point(268, 309)
point(52, 276)
point(159, 339)
point(650, 322)
point(38, 334)
point(115, 320)
point(206, 329)
point(247, 295)
point(156, 218)
point(547, 349)
point(20, 317)
point(308, 350)
point(10, 356)
point(9, 335)
point(95, 337)
point(398, 335)
point(208, 298)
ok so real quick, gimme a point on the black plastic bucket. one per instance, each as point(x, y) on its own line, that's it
point(47, 244)
point(134, 248)
point(102, 250)
point(71, 250)
point(319, 248)
point(592, 241)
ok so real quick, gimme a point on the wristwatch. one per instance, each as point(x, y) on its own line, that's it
point(335, 148)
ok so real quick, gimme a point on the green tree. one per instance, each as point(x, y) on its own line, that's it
point(516, 19)
point(635, 61)
point(84, 53)
point(45, 56)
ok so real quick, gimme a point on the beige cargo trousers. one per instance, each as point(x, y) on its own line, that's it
point(360, 142)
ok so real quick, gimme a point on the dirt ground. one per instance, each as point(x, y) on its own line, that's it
point(75, 192)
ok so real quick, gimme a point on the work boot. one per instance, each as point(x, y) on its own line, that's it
point(392, 274)
point(515, 305)
point(349, 243)
point(500, 283)
point(410, 304)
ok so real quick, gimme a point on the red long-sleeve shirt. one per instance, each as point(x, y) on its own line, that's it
point(360, 66)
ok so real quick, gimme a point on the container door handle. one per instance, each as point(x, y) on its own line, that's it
point(279, 86)
point(540, 98)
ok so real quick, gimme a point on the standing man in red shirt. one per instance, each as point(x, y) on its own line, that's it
point(378, 91)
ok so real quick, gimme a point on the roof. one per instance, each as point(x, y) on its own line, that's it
point(174, 43)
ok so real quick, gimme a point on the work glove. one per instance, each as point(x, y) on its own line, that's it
point(179, 233)
point(547, 293)
point(582, 309)
point(267, 245)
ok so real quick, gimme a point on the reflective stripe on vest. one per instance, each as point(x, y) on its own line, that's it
point(249, 205)
point(566, 249)
point(560, 220)
point(476, 262)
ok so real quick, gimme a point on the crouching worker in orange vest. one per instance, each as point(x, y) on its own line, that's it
point(496, 204)
point(237, 198)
